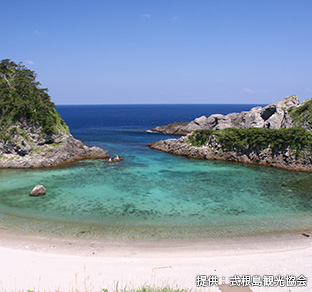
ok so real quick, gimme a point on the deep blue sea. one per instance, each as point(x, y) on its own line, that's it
point(151, 194)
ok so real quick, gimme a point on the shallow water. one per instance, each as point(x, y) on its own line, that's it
point(152, 194)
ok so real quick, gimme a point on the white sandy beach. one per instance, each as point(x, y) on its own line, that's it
point(42, 264)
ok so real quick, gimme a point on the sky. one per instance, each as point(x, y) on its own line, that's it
point(162, 51)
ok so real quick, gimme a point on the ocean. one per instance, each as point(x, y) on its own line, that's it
point(151, 194)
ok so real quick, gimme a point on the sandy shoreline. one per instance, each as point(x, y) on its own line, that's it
point(46, 264)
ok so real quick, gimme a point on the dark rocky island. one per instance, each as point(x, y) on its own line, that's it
point(32, 133)
point(277, 135)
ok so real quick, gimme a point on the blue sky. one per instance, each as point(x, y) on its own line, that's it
point(162, 51)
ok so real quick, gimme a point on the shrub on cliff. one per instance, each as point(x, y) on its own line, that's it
point(234, 139)
point(22, 98)
point(302, 115)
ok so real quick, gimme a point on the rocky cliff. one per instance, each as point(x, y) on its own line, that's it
point(278, 135)
point(32, 133)
point(25, 146)
point(285, 153)
point(273, 116)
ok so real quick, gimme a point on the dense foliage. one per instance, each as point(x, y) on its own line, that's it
point(235, 139)
point(302, 115)
point(21, 97)
point(200, 137)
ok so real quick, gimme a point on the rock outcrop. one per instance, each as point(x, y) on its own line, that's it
point(32, 133)
point(286, 113)
point(285, 159)
point(176, 128)
point(273, 116)
point(28, 148)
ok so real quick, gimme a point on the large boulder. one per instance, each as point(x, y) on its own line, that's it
point(38, 190)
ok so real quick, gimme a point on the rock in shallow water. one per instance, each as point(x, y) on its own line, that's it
point(117, 158)
point(38, 190)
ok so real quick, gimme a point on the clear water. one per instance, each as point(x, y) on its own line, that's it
point(151, 194)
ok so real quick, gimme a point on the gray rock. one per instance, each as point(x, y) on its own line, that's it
point(27, 148)
point(173, 129)
point(38, 190)
point(285, 159)
point(272, 116)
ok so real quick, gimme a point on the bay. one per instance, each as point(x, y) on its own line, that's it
point(151, 194)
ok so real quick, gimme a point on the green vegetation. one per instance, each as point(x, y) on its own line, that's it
point(22, 98)
point(302, 115)
point(200, 137)
point(234, 139)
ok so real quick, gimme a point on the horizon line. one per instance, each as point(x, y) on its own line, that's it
point(79, 104)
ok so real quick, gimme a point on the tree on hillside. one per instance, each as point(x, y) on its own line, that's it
point(22, 97)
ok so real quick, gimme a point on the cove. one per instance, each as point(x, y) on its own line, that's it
point(151, 195)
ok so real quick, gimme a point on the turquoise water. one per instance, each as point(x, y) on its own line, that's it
point(198, 198)
point(154, 195)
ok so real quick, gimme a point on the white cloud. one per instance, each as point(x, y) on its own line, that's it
point(29, 62)
point(249, 90)
point(146, 15)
